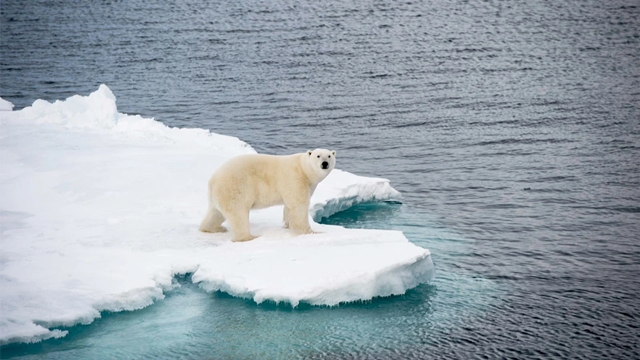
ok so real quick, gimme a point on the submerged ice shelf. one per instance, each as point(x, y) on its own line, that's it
point(100, 210)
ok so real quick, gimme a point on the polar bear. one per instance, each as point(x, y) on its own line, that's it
point(258, 181)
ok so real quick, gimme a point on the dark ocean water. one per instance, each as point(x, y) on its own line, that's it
point(511, 128)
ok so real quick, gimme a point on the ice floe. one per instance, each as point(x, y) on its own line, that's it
point(5, 105)
point(99, 211)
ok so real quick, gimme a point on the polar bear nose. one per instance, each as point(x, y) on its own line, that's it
point(325, 165)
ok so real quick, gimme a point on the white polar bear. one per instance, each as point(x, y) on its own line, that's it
point(258, 181)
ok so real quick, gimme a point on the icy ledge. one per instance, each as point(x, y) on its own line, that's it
point(323, 269)
point(341, 190)
point(99, 211)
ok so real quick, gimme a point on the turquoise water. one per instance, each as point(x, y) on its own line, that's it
point(193, 324)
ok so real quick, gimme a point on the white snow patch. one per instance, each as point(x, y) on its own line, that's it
point(100, 210)
point(5, 105)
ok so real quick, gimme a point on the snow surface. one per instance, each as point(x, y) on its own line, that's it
point(100, 210)
point(5, 105)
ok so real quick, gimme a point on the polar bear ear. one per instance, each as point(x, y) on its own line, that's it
point(309, 152)
point(334, 153)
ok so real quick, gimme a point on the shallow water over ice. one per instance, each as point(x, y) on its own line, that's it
point(192, 324)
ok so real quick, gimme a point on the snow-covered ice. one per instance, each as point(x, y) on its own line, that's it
point(100, 210)
point(5, 105)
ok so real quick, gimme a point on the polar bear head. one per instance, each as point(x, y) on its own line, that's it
point(321, 162)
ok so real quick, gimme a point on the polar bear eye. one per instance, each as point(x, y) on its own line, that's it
point(329, 156)
point(318, 156)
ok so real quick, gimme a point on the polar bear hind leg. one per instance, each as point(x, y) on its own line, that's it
point(212, 222)
point(239, 222)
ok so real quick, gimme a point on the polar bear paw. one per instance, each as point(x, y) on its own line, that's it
point(244, 238)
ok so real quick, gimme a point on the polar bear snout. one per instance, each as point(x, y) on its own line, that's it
point(325, 165)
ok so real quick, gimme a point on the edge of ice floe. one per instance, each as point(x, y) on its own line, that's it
point(333, 289)
point(330, 198)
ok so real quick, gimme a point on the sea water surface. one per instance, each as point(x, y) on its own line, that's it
point(512, 128)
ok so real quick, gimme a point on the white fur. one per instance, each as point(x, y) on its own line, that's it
point(258, 181)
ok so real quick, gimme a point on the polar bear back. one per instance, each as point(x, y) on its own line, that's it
point(258, 181)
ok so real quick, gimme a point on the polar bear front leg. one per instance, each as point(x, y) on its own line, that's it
point(299, 219)
point(296, 207)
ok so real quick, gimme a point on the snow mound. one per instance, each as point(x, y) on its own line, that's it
point(5, 105)
point(99, 211)
point(98, 111)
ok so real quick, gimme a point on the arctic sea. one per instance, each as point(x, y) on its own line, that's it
point(512, 130)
